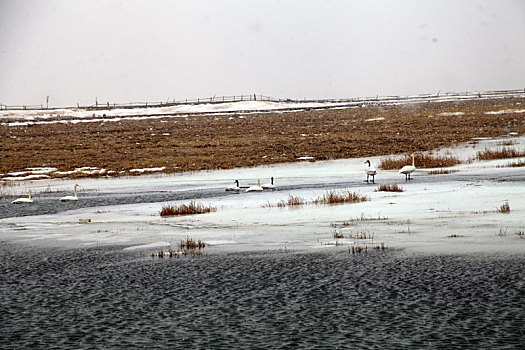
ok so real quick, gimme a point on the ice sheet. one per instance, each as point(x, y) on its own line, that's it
point(454, 213)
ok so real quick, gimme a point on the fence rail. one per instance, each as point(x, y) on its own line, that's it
point(254, 97)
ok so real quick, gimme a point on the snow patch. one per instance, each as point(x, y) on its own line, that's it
point(147, 170)
point(503, 111)
point(451, 114)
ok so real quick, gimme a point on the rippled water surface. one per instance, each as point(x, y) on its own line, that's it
point(108, 298)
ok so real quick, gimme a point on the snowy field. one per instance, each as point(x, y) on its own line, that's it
point(78, 115)
point(101, 114)
point(451, 213)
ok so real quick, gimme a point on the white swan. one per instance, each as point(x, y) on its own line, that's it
point(408, 169)
point(71, 198)
point(370, 171)
point(255, 188)
point(269, 186)
point(234, 187)
point(23, 199)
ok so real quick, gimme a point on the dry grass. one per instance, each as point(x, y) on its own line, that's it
point(501, 153)
point(334, 197)
point(338, 235)
point(189, 246)
point(363, 217)
point(361, 235)
point(421, 161)
point(294, 200)
point(504, 208)
point(442, 171)
point(389, 188)
point(357, 249)
point(205, 142)
point(518, 164)
point(7, 190)
point(186, 209)
point(190, 243)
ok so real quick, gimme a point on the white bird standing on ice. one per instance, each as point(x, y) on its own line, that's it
point(255, 188)
point(71, 198)
point(23, 199)
point(408, 169)
point(370, 171)
point(234, 187)
point(269, 186)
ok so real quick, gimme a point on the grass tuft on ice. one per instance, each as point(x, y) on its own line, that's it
point(389, 188)
point(186, 209)
point(334, 197)
point(504, 208)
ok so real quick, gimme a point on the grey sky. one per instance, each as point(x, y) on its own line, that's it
point(121, 51)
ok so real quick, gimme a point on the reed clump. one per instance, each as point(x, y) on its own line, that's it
point(504, 208)
point(186, 209)
point(338, 235)
point(190, 243)
point(421, 161)
point(356, 249)
point(381, 246)
point(361, 235)
point(334, 197)
point(501, 153)
point(293, 201)
point(389, 188)
point(186, 247)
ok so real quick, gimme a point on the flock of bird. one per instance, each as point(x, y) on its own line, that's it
point(28, 199)
point(370, 171)
point(407, 170)
point(254, 188)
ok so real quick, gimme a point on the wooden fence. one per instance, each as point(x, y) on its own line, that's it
point(254, 97)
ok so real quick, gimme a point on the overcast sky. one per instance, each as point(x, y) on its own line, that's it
point(122, 51)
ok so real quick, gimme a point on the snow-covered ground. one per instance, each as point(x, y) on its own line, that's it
point(76, 115)
point(82, 115)
point(452, 213)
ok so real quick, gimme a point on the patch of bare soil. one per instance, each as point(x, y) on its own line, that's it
point(201, 142)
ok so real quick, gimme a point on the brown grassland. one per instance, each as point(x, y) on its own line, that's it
point(200, 142)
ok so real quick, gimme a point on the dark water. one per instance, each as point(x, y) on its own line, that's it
point(107, 298)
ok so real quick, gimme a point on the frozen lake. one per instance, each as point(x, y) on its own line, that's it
point(455, 212)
